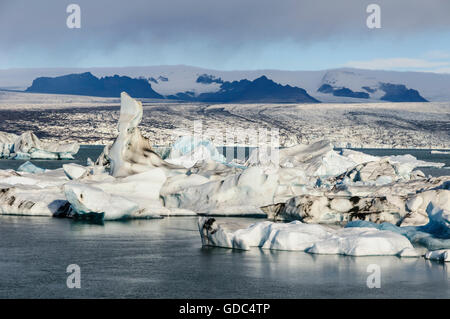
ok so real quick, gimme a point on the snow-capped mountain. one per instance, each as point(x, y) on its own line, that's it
point(172, 80)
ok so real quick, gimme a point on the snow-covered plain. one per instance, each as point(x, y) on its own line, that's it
point(389, 208)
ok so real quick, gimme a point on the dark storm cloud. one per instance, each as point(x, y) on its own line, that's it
point(230, 22)
point(228, 25)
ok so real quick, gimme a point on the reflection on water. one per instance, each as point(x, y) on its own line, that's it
point(164, 258)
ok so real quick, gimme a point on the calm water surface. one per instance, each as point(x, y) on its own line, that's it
point(163, 258)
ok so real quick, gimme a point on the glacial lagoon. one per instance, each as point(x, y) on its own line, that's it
point(164, 258)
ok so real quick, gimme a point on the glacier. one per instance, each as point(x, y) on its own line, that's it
point(314, 198)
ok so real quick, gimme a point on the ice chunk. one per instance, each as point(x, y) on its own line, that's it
point(363, 242)
point(317, 159)
point(440, 152)
point(41, 154)
point(408, 159)
point(131, 153)
point(358, 157)
point(30, 168)
point(7, 144)
point(434, 235)
point(141, 189)
point(239, 194)
point(439, 255)
point(20, 156)
point(74, 171)
point(438, 211)
point(28, 146)
point(315, 239)
point(409, 252)
point(90, 200)
point(337, 208)
point(188, 150)
point(31, 194)
point(30, 200)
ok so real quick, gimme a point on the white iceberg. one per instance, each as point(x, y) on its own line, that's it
point(440, 152)
point(314, 239)
point(189, 150)
point(239, 194)
point(30, 168)
point(74, 171)
point(439, 255)
point(131, 153)
point(317, 159)
point(90, 200)
point(34, 194)
point(435, 235)
point(29, 146)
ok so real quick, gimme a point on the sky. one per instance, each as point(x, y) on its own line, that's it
point(227, 35)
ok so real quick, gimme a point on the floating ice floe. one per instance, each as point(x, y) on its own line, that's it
point(29, 167)
point(356, 239)
point(28, 146)
point(34, 194)
point(140, 194)
point(90, 200)
point(314, 239)
point(440, 152)
point(439, 255)
point(435, 235)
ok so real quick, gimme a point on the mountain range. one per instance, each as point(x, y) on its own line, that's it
point(260, 90)
point(199, 84)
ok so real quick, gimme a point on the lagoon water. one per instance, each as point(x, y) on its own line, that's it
point(163, 258)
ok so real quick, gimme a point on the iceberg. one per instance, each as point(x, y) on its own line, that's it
point(139, 194)
point(28, 146)
point(340, 209)
point(189, 150)
point(33, 194)
point(434, 235)
point(89, 200)
point(442, 255)
point(29, 167)
point(74, 171)
point(317, 159)
point(313, 239)
point(131, 153)
point(440, 152)
point(239, 194)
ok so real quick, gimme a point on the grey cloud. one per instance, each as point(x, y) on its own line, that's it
point(107, 24)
